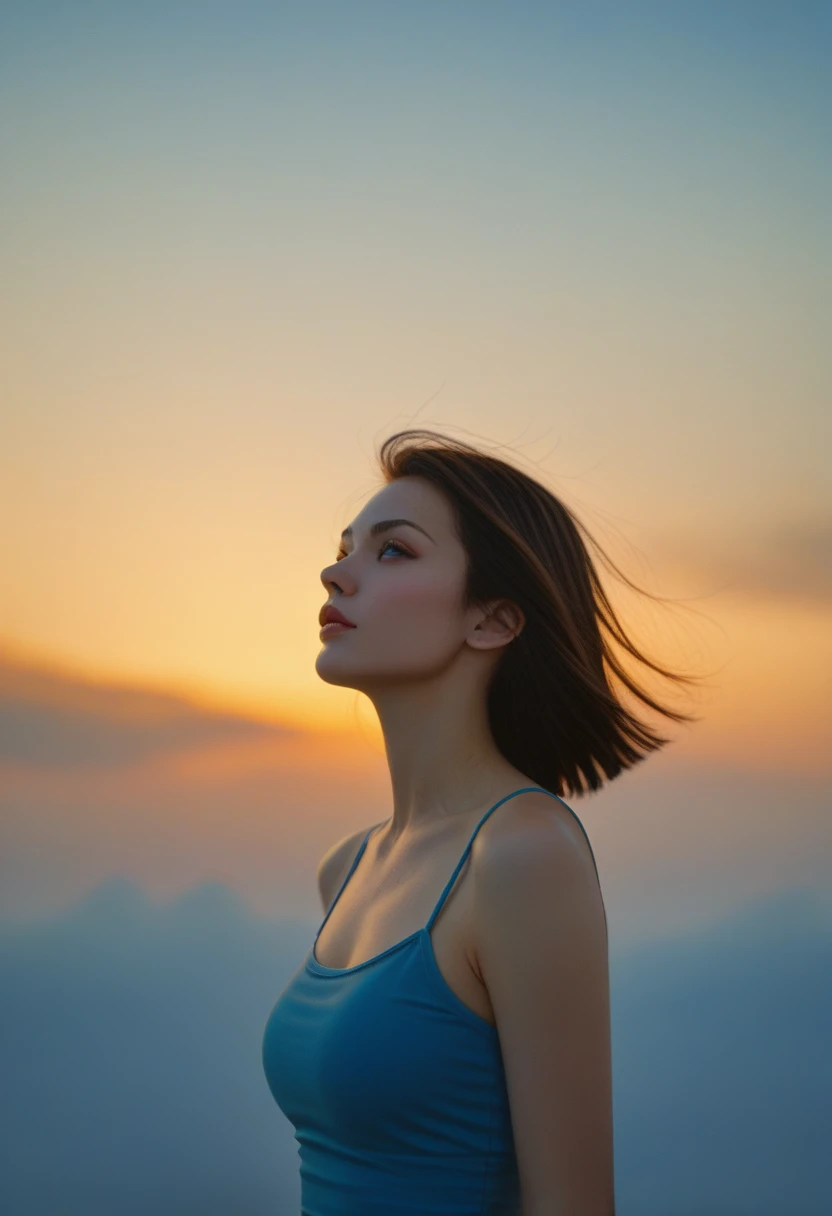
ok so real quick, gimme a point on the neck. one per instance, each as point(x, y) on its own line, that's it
point(442, 758)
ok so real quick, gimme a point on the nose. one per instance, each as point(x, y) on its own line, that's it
point(328, 578)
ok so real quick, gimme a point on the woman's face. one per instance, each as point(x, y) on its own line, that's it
point(401, 587)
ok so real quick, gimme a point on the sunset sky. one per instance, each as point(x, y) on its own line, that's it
point(244, 243)
point(241, 252)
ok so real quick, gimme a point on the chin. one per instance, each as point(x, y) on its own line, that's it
point(329, 671)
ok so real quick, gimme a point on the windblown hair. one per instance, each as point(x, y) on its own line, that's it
point(551, 708)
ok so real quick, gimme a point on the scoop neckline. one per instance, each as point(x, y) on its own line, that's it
point(318, 968)
point(322, 969)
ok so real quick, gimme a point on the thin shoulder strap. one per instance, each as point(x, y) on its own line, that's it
point(355, 862)
point(525, 790)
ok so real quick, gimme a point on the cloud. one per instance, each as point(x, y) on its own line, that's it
point(98, 779)
point(52, 720)
point(780, 560)
point(130, 1039)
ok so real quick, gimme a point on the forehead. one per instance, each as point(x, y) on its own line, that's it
point(411, 498)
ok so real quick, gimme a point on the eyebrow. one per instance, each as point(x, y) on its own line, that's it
point(383, 524)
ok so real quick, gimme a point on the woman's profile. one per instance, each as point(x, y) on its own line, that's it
point(445, 1046)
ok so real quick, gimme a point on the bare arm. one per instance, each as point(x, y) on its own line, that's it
point(543, 954)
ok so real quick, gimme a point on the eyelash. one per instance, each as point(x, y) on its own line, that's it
point(341, 554)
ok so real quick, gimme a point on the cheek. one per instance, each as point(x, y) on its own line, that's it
point(423, 607)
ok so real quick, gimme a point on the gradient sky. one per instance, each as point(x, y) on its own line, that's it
point(240, 245)
point(244, 243)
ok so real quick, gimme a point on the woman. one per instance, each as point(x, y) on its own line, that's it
point(461, 1063)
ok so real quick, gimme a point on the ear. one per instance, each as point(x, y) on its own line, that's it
point(499, 625)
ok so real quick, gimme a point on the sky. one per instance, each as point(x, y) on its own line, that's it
point(130, 1041)
point(240, 245)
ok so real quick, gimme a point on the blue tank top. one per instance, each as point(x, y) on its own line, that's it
point(395, 1087)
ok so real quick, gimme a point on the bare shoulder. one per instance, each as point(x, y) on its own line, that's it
point(333, 866)
point(533, 866)
point(535, 822)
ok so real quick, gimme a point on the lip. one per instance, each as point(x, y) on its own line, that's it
point(330, 613)
point(332, 627)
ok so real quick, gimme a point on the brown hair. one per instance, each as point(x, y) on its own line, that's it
point(551, 709)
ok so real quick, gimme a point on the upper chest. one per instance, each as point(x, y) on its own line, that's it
point(388, 899)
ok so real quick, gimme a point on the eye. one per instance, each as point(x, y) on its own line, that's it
point(388, 544)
